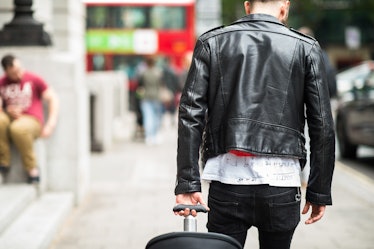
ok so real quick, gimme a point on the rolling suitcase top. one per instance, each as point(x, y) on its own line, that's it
point(193, 240)
point(190, 239)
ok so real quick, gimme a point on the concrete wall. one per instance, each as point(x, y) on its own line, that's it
point(110, 106)
point(69, 26)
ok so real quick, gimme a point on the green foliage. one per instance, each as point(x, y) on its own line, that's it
point(302, 12)
point(232, 10)
point(328, 18)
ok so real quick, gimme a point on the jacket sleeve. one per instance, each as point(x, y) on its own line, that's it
point(191, 121)
point(321, 129)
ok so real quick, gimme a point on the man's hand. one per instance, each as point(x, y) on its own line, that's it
point(14, 111)
point(317, 212)
point(50, 97)
point(47, 130)
point(190, 199)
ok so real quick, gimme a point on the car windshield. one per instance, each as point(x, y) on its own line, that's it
point(355, 78)
point(370, 80)
point(364, 89)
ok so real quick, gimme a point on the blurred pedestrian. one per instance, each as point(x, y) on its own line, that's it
point(137, 98)
point(187, 59)
point(171, 81)
point(150, 83)
point(21, 114)
point(186, 63)
point(243, 106)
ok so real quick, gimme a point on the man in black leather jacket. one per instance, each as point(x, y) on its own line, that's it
point(246, 93)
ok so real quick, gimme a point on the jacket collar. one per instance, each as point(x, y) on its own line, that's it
point(258, 17)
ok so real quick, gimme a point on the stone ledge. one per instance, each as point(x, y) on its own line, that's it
point(13, 200)
point(36, 227)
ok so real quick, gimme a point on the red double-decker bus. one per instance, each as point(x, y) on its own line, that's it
point(120, 32)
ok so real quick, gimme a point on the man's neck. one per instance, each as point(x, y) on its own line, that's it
point(267, 11)
point(277, 9)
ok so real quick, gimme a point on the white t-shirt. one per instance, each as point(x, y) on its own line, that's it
point(253, 170)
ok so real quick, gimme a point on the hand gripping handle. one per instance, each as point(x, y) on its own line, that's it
point(190, 224)
point(198, 208)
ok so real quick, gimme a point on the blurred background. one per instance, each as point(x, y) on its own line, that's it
point(344, 28)
point(93, 53)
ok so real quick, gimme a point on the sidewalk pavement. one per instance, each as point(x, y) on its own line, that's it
point(132, 196)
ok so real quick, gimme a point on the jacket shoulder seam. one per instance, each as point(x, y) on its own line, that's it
point(306, 37)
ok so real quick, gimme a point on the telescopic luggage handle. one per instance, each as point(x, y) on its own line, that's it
point(190, 223)
point(198, 208)
point(190, 238)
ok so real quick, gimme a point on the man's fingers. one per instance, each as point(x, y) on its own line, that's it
point(314, 218)
point(202, 202)
point(193, 213)
point(316, 215)
point(306, 208)
point(184, 212)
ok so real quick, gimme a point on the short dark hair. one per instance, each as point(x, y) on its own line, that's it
point(7, 61)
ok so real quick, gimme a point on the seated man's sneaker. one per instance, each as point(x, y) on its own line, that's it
point(3, 171)
point(33, 176)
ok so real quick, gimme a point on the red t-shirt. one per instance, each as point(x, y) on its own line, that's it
point(27, 93)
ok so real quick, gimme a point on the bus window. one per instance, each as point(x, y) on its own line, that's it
point(98, 62)
point(114, 17)
point(134, 17)
point(96, 17)
point(164, 17)
point(120, 32)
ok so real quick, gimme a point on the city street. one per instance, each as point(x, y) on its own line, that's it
point(132, 196)
point(81, 66)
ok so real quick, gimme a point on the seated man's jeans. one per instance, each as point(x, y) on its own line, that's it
point(22, 132)
point(275, 211)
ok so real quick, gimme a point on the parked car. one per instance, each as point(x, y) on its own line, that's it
point(355, 110)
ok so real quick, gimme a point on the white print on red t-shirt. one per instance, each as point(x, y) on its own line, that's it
point(12, 94)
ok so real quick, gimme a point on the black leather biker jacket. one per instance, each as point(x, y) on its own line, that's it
point(250, 87)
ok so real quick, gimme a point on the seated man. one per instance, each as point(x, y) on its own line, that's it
point(21, 114)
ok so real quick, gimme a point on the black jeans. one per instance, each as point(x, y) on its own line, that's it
point(275, 211)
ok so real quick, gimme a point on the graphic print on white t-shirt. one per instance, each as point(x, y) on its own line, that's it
point(12, 94)
point(248, 170)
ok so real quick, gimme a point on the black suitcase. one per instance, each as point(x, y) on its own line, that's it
point(190, 239)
